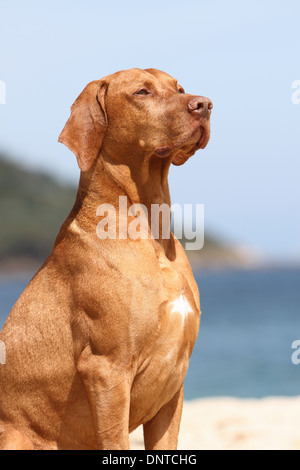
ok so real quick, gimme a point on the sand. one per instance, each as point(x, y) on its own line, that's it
point(237, 424)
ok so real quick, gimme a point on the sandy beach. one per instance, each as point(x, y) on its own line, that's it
point(237, 424)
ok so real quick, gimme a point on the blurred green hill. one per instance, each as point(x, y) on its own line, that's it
point(33, 207)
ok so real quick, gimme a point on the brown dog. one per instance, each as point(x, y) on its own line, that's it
point(99, 342)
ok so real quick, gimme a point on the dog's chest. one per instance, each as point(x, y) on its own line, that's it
point(180, 306)
point(169, 343)
point(179, 291)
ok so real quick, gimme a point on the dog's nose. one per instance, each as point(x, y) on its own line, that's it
point(200, 105)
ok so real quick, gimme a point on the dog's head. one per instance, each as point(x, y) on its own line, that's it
point(135, 113)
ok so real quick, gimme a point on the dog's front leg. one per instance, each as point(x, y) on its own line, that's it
point(161, 433)
point(108, 391)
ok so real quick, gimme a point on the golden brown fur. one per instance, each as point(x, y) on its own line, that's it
point(92, 348)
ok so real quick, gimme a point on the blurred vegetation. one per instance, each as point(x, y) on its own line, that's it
point(33, 207)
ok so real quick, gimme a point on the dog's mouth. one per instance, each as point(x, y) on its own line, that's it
point(204, 139)
point(186, 147)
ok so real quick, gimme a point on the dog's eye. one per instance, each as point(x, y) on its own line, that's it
point(181, 90)
point(142, 92)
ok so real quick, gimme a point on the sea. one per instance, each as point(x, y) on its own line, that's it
point(250, 320)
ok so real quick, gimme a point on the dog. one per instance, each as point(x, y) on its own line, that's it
point(99, 342)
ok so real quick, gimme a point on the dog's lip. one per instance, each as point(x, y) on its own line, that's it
point(181, 157)
point(203, 141)
point(165, 151)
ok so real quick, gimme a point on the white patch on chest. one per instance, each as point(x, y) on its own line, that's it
point(181, 306)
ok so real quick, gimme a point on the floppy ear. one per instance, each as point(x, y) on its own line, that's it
point(85, 129)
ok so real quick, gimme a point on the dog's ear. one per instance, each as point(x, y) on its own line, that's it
point(85, 129)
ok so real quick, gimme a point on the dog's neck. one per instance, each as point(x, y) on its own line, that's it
point(145, 182)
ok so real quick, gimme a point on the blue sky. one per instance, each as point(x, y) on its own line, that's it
point(243, 55)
